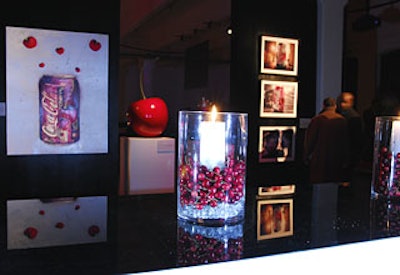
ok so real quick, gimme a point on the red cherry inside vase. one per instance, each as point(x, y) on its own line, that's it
point(148, 117)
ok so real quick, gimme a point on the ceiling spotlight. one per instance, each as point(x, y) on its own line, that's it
point(229, 30)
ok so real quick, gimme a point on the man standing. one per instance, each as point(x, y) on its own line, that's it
point(355, 131)
point(325, 145)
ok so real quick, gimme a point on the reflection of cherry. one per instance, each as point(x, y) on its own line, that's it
point(94, 45)
point(60, 50)
point(30, 42)
point(41, 65)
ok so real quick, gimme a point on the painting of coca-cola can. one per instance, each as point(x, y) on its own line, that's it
point(59, 97)
point(57, 92)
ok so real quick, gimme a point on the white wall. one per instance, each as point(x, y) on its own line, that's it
point(329, 49)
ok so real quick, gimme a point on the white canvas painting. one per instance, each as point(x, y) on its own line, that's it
point(43, 120)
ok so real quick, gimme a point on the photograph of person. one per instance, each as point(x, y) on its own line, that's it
point(274, 218)
point(278, 99)
point(279, 55)
point(270, 55)
point(276, 143)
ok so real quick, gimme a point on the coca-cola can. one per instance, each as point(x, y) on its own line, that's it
point(59, 97)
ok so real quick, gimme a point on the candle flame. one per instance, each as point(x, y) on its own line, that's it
point(213, 113)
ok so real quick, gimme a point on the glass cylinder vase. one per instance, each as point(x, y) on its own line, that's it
point(212, 151)
point(386, 166)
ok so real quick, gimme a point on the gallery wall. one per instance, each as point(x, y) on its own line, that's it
point(239, 82)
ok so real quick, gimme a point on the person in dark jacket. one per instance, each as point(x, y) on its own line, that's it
point(326, 145)
point(345, 107)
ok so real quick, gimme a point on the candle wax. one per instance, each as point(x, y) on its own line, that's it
point(212, 143)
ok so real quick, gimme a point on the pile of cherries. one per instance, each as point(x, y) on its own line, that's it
point(383, 170)
point(200, 186)
point(198, 249)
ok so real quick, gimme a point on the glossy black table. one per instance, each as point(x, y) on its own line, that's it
point(324, 215)
point(145, 234)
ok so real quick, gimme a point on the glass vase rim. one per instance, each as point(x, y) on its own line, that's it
point(388, 117)
point(197, 112)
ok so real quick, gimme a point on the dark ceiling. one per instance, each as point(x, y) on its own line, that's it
point(176, 25)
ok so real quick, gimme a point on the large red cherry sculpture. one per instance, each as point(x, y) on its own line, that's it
point(148, 117)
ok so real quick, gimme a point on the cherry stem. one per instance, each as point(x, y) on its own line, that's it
point(141, 81)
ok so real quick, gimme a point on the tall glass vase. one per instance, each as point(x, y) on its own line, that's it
point(212, 150)
point(386, 166)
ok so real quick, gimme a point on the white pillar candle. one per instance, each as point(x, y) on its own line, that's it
point(395, 139)
point(212, 141)
point(395, 145)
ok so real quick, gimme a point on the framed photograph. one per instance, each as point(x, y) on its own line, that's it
point(274, 218)
point(277, 190)
point(276, 143)
point(278, 99)
point(279, 55)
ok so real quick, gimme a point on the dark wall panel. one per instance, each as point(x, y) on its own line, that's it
point(288, 19)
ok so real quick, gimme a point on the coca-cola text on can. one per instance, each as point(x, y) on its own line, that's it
point(59, 100)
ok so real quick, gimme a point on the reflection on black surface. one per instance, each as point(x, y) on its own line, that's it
point(386, 221)
point(149, 236)
point(276, 190)
point(274, 218)
point(198, 244)
point(324, 214)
